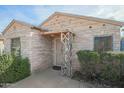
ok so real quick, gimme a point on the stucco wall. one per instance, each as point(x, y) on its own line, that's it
point(33, 45)
point(84, 36)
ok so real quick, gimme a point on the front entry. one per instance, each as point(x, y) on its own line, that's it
point(58, 58)
point(63, 44)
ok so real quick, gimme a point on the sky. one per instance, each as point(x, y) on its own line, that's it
point(37, 14)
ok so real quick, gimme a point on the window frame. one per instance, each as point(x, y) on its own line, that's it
point(103, 36)
point(12, 47)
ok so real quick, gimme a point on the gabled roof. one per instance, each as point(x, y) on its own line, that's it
point(113, 22)
point(16, 21)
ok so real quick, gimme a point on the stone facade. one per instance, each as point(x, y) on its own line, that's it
point(1, 43)
point(40, 50)
point(1, 46)
point(33, 45)
point(85, 31)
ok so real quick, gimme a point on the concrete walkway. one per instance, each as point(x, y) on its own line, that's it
point(49, 79)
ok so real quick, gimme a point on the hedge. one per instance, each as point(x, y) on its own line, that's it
point(102, 66)
point(13, 69)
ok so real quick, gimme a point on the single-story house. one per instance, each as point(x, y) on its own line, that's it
point(58, 38)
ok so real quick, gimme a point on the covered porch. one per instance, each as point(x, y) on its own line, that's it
point(62, 50)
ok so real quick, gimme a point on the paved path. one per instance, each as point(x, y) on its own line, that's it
point(49, 79)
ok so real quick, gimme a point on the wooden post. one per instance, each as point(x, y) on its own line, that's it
point(66, 39)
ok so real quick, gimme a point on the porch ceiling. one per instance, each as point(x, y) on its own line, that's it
point(53, 33)
point(66, 40)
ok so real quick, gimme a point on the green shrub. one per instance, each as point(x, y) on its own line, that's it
point(5, 62)
point(101, 65)
point(13, 68)
point(88, 60)
point(121, 57)
point(111, 66)
point(88, 56)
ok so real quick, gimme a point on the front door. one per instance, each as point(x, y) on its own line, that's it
point(58, 60)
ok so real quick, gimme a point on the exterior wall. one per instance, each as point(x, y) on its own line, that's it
point(18, 30)
point(1, 46)
point(40, 51)
point(84, 36)
point(33, 45)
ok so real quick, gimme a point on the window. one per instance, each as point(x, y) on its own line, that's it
point(122, 44)
point(103, 43)
point(16, 46)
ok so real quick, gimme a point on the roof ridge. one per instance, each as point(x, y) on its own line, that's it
point(23, 22)
point(86, 16)
point(114, 22)
point(18, 21)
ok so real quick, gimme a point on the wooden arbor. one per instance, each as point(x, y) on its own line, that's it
point(66, 40)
